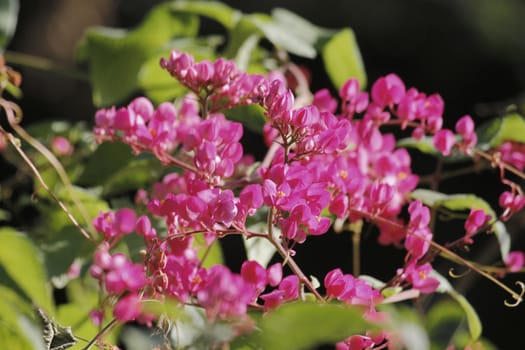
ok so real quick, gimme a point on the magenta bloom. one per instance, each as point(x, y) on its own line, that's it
point(444, 140)
point(388, 90)
point(61, 146)
point(515, 261)
point(128, 308)
point(224, 294)
point(476, 219)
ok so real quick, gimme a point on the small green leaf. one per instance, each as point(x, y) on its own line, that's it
point(259, 248)
point(24, 264)
point(454, 202)
point(212, 254)
point(342, 59)
point(8, 19)
point(426, 146)
point(503, 237)
point(116, 56)
point(304, 325)
point(215, 10)
point(251, 116)
point(473, 321)
point(508, 128)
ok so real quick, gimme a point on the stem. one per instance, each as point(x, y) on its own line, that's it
point(289, 260)
point(356, 253)
point(101, 333)
point(12, 112)
point(447, 253)
point(35, 171)
point(429, 179)
point(181, 164)
point(44, 64)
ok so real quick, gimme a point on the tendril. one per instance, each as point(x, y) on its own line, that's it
point(518, 298)
point(452, 274)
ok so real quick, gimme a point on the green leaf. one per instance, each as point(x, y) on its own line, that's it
point(443, 321)
point(283, 37)
point(454, 202)
point(238, 35)
point(212, 254)
point(157, 83)
point(61, 249)
point(508, 128)
point(107, 159)
point(215, 10)
point(54, 219)
point(8, 19)
point(300, 27)
point(462, 202)
point(16, 331)
point(503, 237)
point(259, 248)
point(115, 56)
point(24, 264)
point(426, 146)
point(342, 59)
point(138, 173)
point(304, 325)
point(252, 117)
point(473, 321)
point(244, 54)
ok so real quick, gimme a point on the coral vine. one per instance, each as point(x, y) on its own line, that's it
point(330, 162)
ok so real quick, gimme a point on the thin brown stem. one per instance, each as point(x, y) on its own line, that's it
point(288, 259)
point(14, 114)
point(450, 255)
point(104, 330)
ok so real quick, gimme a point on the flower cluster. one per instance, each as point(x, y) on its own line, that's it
point(219, 83)
point(326, 162)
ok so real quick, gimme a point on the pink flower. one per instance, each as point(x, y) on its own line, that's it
point(274, 274)
point(128, 308)
point(416, 242)
point(354, 101)
point(61, 146)
point(288, 290)
point(419, 215)
point(224, 294)
point(465, 127)
point(444, 141)
point(388, 90)
point(254, 273)
point(476, 219)
point(418, 275)
point(324, 101)
point(515, 261)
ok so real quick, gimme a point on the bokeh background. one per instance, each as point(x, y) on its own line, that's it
point(470, 51)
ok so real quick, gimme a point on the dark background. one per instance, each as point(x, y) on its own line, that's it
point(472, 52)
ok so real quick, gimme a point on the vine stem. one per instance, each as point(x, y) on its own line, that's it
point(44, 64)
point(12, 111)
point(288, 259)
point(447, 253)
point(503, 165)
point(106, 328)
